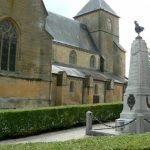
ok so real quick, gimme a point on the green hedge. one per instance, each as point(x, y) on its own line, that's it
point(19, 123)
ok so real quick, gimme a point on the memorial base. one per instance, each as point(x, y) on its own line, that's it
point(139, 124)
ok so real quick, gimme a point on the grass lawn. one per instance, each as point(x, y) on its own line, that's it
point(123, 142)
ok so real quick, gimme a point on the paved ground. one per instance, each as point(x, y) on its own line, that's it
point(75, 133)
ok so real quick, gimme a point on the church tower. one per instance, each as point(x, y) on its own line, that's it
point(103, 25)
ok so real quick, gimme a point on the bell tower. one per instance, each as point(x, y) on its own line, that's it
point(103, 25)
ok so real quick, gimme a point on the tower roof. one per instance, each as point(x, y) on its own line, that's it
point(94, 5)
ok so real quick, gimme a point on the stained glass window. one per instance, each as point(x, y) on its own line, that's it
point(8, 42)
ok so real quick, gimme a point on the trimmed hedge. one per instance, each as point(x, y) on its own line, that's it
point(19, 123)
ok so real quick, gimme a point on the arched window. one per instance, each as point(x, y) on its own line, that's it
point(92, 62)
point(102, 64)
point(96, 89)
point(109, 24)
point(72, 86)
point(8, 45)
point(73, 58)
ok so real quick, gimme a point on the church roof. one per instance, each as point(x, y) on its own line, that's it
point(83, 72)
point(77, 72)
point(119, 46)
point(94, 5)
point(70, 32)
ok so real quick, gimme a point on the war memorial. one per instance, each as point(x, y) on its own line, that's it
point(136, 98)
point(135, 116)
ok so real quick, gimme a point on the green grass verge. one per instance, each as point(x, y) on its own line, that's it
point(123, 142)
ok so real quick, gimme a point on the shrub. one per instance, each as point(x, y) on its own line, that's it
point(18, 123)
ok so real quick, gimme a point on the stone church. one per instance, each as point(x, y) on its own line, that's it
point(47, 59)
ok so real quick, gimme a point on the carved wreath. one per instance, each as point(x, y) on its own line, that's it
point(131, 101)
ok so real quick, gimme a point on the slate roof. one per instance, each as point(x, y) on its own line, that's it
point(117, 79)
point(94, 5)
point(82, 73)
point(70, 32)
point(119, 46)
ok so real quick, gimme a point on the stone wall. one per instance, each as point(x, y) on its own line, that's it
point(30, 83)
point(92, 22)
point(61, 94)
point(85, 91)
point(74, 97)
point(115, 94)
point(29, 19)
point(119, 62)
point(101, 90)
point(61, 55)
point(21, 93)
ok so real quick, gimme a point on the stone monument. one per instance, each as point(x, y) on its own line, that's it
point(135, 117)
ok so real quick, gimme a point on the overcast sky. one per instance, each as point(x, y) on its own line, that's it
point(128, 10)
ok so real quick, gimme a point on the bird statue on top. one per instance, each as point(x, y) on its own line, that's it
point(138, 29)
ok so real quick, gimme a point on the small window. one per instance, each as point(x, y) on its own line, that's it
point(73, 58)
point(109, 24)
point(112, 84)
point(96, 89)
point(8, 45)
point(102, 63)
point(92, 62)
point(72, 86)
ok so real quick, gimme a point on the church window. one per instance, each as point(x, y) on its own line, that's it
point(8, 45)
point(92, 62)
point(73, 58)
point(96, 89)
point(102, 61)
point(72, 86)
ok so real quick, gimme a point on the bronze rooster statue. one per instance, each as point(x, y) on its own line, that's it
point(138, 29)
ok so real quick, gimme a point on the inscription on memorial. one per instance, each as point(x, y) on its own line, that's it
point(131, 101)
